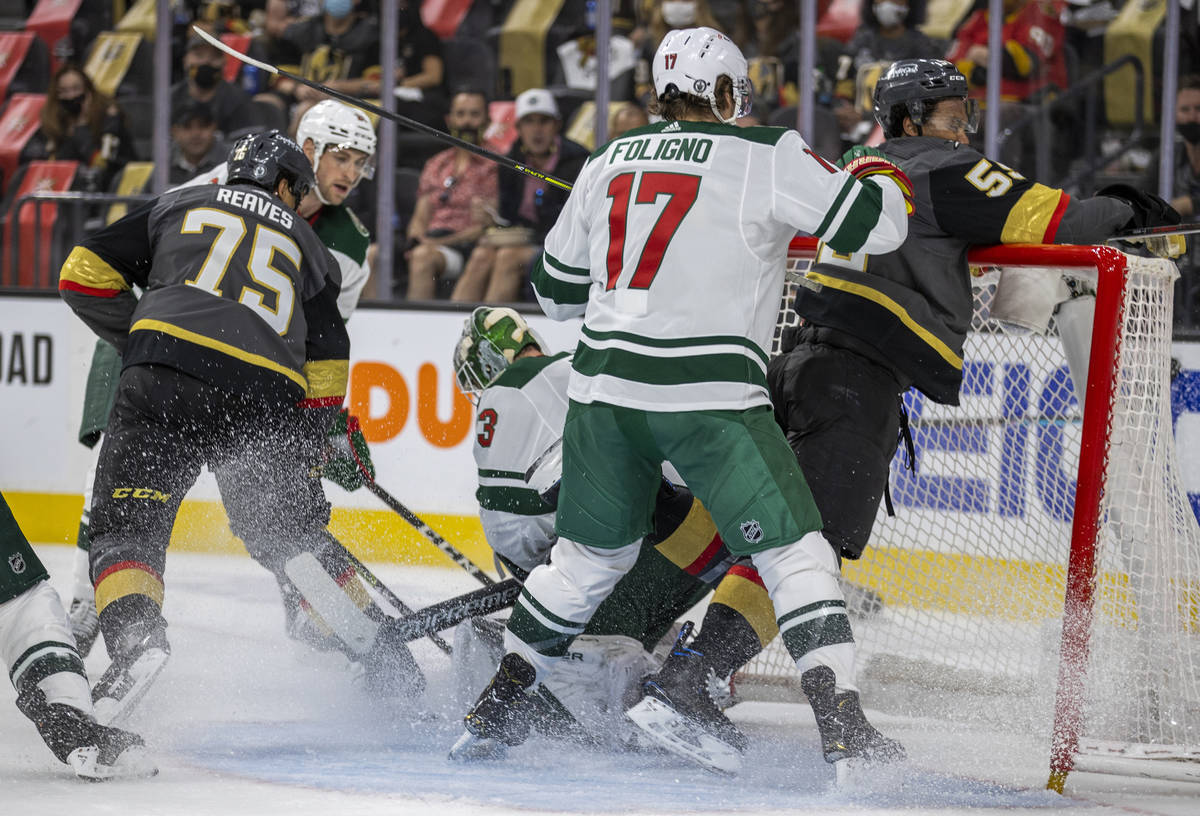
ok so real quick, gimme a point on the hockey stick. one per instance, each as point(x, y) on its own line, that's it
point(444, 614)
point(386, 114)
point(1166, 229)
point(382, 588)
point(424, 529)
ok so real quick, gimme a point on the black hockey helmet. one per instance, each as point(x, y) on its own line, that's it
point(263, 158)
point(907, 88)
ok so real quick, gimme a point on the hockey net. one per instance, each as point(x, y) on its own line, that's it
point(1023, 505)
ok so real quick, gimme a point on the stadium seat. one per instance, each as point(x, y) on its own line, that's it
point(502, 131)
point(134, 178)
point(121, 64)
point(24, 63)
point(443, 17)
point(32, 259)
point(139, 119)
point(139, 19)
point(20, 121)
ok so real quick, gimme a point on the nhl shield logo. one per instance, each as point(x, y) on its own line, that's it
point(752, 531)
point(16, 563)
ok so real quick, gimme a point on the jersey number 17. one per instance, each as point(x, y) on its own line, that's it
point(682, 189)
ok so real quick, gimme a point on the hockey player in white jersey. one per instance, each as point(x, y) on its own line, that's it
point(37, 649)
point(521, 395)
point(672, 246)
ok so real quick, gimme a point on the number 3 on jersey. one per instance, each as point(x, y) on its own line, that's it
point(682, 190)
point(485, 427)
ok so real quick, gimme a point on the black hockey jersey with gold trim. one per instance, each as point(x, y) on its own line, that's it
point(239, 293)
point(913, 306)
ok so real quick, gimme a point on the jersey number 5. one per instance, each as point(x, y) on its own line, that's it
point(267, 242)
point(682, 190)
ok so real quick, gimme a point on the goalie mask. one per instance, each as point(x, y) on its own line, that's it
point(913, 87)
point(492, 337)
point(689, 61)
point(334, 126)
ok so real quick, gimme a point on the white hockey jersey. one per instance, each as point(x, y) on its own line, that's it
point(355, 271)
point(673, 245)
point(521, 415)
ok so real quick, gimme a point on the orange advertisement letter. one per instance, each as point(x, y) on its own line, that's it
point(442, 434)
point(366, 377)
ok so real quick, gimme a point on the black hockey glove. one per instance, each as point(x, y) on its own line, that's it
point(1148, 209)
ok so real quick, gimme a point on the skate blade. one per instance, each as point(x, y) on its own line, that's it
point(133, 763)
point(470, 748)
point(114, 698)
point(683, 737)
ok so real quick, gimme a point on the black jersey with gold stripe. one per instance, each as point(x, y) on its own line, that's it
point(239, 292)
point(913, 306)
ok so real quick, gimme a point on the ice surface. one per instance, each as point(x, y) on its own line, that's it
point(244, 722)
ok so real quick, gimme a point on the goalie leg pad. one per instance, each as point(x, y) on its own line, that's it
point(328, 600)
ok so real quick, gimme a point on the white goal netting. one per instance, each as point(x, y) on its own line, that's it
point(963, 589)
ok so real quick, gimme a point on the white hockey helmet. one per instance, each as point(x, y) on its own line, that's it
point(689, 60)
point(331, 124)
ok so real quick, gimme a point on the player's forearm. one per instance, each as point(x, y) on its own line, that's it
point(99, 294)
point(1092, 220)
point(562, 291)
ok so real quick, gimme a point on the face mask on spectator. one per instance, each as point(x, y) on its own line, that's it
point(72, 106)
point(889, 14)
point(206, 76)
point(338, 9)
point(679, 12)
point(472, 135)
point(1190, 131)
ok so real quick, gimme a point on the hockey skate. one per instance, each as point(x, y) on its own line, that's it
point(678, 712)
point(94, 752)
point(501, 716)
point(85, 624)
point(848, 741)
point(129, 676)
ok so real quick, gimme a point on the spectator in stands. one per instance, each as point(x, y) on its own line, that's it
point(577, 63)
point(1032, 64)
point(339, 48)
point(79, 123)
point(657, 17)
point(195, 146)
point(456, 188)
point(888, 31)
point(1033, 50)
point(203, 83)
point(627, 117)
point(1186, 193)
point(499, 265)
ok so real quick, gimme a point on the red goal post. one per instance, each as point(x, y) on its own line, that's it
point(1043, 559)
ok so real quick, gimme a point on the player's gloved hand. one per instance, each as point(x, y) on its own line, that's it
point(861, 161)
point(347, 457)
point(1148, 209)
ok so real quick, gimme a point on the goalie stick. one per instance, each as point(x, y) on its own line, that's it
point(383, 112)
point(424, 529)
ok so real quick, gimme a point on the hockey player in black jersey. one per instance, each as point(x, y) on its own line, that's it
point(234, 357)
point(836, 389)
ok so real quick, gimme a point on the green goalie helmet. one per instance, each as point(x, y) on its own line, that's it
point(492, 337)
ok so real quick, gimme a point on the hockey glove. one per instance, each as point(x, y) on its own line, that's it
point(861, 161)
point(1148, 209)
point(347, 457)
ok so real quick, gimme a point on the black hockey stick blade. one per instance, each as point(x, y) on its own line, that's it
point(400, 119)
point(424, 529)
point(444, 614)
